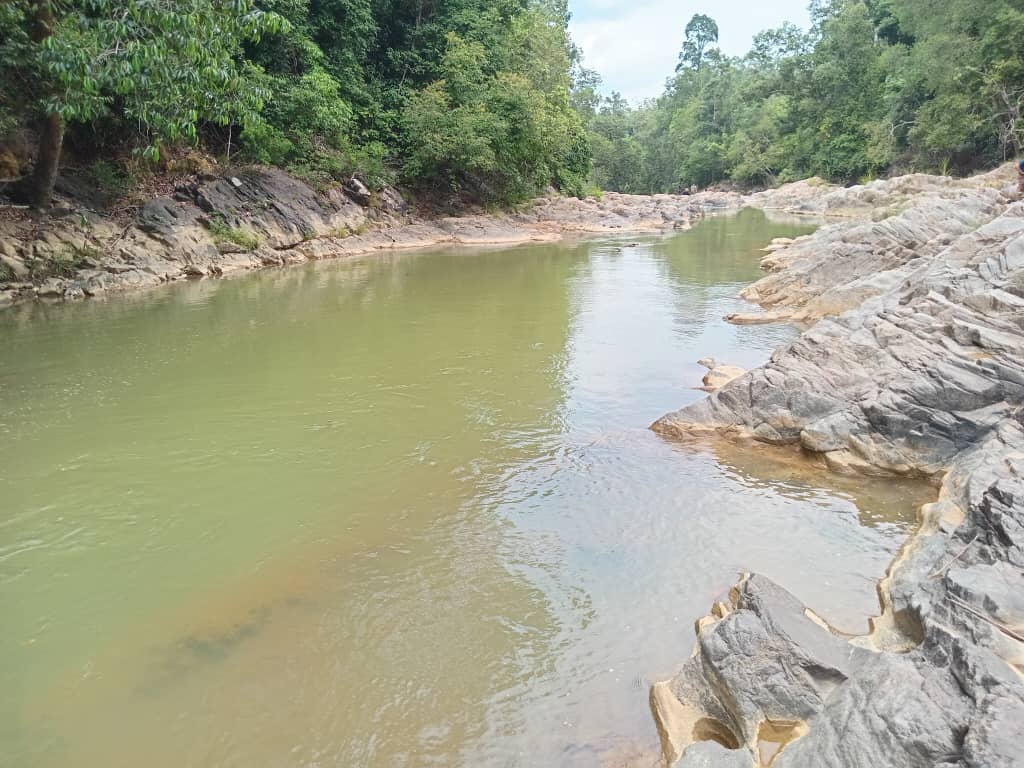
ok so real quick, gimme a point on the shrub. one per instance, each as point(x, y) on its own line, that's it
point(223, 234)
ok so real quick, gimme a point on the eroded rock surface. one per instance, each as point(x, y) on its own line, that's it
point(262, 217)
point(916, 368)
point(719, 374)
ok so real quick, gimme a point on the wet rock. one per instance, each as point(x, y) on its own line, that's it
point(174, 237)
point(915, 366)
point(719, 374)
point(52, 287)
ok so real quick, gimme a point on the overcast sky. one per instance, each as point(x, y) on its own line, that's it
point(634, 44)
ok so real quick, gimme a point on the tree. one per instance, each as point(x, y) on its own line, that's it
point(51, 134)
point(498, 124)
point(701, 31)
point(164, 65)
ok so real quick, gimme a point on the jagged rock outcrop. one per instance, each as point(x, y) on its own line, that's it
point(923, 374)
point(905, 382)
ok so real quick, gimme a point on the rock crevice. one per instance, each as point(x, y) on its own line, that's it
point(914, 366)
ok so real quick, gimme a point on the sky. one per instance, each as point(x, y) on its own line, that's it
point(634, 44)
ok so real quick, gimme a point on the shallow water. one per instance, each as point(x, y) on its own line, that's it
point(399, 511)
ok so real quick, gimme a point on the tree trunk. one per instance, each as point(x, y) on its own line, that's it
point(51, 137)
point(44, 176)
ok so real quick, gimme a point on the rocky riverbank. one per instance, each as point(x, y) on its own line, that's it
point(914, 366)
point(248, 219)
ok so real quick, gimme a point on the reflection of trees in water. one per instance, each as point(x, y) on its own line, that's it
point(711, 262)
point(719, 248)
point(436, 372)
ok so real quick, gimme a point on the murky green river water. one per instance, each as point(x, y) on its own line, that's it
point(401, 511)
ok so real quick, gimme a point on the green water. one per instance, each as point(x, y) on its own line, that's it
point(400, 511)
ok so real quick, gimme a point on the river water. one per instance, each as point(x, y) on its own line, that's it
point(397, 511)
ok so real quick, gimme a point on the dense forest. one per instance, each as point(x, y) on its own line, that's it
point(487, 101)
point(874, 87)
point(464, 96)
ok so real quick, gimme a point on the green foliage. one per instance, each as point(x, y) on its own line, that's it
point(701, 32)
point(66, 262)
point(109, 177)
point(485, 100)
point(19, 67)
point(499, 126)
point(464, 95)
point(223, 234)
point(163, 65)
point(876, 86)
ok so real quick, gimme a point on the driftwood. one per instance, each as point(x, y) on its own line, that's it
point(959, 554)
point(1001, 627)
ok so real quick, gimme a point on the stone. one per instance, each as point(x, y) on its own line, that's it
point(358, 191)
point(719, 375)
point(391, 201)
point(16, 266)
point(913, 364)
point(710, 754)
point(52, 287)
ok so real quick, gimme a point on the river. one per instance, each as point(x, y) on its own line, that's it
point(395, 511)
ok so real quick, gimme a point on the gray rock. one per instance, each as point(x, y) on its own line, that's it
point(719, 374)
point(391, 201)
point(916, 365)
point(358, 191)
point(52, 287)
point(708, 754)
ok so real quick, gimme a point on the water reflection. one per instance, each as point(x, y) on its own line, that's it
point(396, 511)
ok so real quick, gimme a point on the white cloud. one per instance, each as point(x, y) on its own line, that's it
point(635, 45)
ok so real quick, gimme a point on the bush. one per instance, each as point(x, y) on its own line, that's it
point(223, 234)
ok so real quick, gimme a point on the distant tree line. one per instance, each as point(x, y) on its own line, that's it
point(874, 87)
point(464, 98)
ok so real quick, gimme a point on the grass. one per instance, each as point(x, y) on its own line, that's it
point(65, 263)
point(223, 234)
point(345, 231)
point(110, 179)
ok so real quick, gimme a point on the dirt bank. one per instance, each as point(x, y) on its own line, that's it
point(914, 365)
